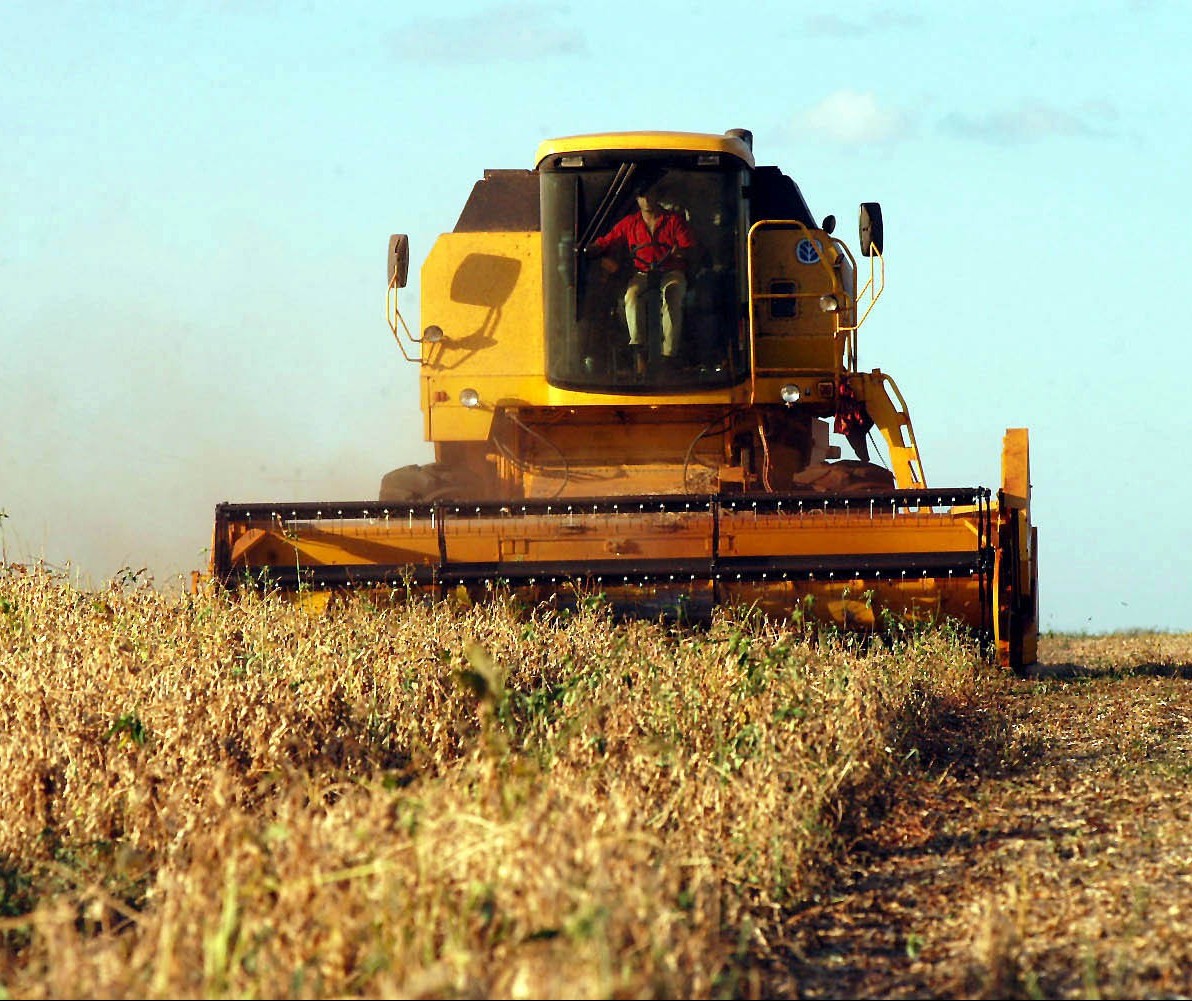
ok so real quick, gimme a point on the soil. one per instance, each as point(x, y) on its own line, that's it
point(1043, 848)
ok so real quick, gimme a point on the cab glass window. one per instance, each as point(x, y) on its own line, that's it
point(643, 302)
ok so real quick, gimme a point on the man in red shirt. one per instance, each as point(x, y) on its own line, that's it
point(658, 241)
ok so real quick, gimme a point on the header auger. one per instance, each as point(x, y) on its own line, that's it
point(632, 358)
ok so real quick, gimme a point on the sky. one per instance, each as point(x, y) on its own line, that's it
point(196, 198)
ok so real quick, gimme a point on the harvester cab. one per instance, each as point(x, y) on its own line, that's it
point(632, 358)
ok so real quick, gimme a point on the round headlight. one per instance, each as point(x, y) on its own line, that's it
point(790, 394)
point(829, 303)
point(432, 334)
point(469, 398)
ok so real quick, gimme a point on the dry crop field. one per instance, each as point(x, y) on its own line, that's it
point(215, 798)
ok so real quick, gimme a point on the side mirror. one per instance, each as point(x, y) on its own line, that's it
point(399, 260)
point(829, 224)
point(870, 229)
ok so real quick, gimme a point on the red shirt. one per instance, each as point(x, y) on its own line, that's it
point(671, 235)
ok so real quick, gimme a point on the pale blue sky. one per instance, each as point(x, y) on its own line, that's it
point(196, 196)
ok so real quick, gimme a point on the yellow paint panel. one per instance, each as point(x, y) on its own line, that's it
point(697, 142)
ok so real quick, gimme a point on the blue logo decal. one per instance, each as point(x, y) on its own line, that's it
point(807, 251)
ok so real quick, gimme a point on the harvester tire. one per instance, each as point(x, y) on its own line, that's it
point(416, 484)
point(844, 477)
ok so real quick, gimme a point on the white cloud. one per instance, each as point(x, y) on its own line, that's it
point(852, 118)
point(1030, 121)
point(833, 25)
point(517, 31)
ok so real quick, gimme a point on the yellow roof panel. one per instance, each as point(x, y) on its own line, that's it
point(680, 142)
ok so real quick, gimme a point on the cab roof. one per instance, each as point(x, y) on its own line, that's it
point(734, 143)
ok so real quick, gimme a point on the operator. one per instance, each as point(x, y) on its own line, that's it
point(659, 241)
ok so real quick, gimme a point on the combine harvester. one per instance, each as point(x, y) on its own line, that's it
point(687, 469)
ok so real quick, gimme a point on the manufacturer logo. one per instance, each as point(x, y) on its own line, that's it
point(808, 251)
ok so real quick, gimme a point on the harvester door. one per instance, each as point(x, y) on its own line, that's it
point(791, 270)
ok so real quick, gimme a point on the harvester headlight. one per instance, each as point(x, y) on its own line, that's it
point(790, 393)
point(469, 398)
point(432, 334)
point(829, 303)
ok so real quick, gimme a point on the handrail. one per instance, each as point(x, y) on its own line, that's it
point(874, 290)
point(393, 317)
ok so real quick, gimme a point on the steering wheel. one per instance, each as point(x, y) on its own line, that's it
point(656, 265)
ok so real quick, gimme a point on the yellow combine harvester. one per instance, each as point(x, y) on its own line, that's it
point(632, 358)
